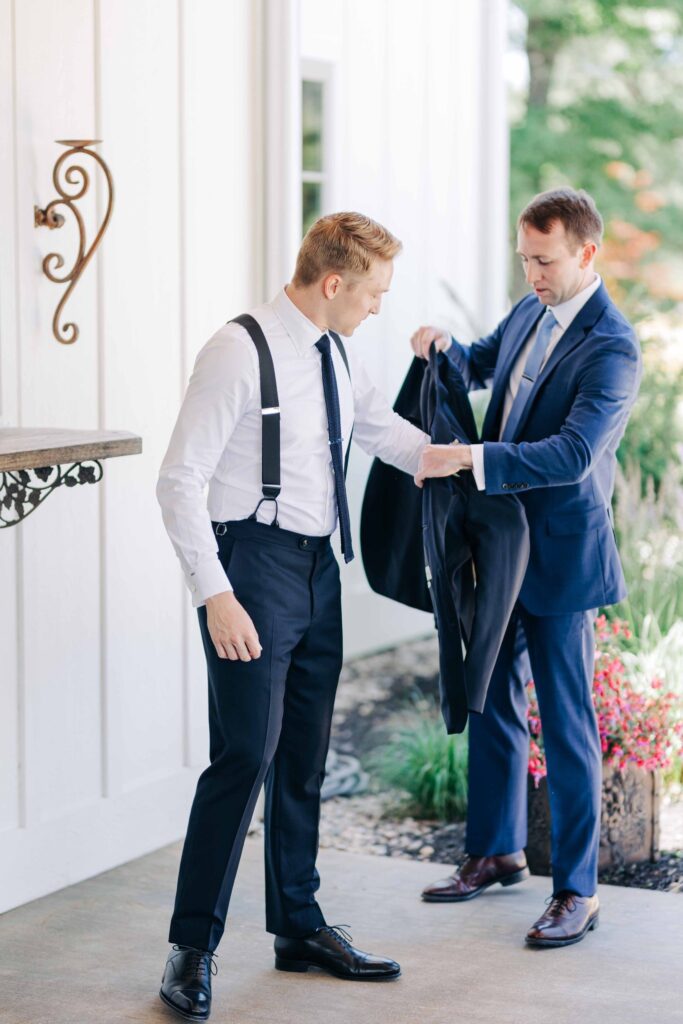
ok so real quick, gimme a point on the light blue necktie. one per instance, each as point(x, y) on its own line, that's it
point(532, 369)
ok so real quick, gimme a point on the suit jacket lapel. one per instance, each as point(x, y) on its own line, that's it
point(528, 320)
point(582, 323)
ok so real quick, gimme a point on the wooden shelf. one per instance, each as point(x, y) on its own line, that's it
point(34, 447)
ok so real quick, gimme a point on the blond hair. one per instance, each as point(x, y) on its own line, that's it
point(342, 242)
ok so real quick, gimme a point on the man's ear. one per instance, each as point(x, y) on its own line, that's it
point(588, 254)
point(331, 285)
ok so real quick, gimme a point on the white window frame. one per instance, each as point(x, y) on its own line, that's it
point(323, 72)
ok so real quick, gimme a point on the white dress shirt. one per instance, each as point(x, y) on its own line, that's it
point(564, 313)
point(217, 439)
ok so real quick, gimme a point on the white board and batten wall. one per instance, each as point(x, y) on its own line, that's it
point(102, 682)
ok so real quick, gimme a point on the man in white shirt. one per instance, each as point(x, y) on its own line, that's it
point(564, 367)
point(266, 419)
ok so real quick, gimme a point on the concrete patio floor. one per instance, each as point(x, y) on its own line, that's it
point(93, 953)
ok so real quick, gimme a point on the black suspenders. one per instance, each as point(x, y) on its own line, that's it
point(270, 415)
point(270, 411)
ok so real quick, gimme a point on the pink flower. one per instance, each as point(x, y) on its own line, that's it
point(635, 728)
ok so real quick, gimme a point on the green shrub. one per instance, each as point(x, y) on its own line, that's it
point(654, 434)
point(427, 766)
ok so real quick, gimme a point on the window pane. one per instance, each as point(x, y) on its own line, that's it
point(312, 125)
point(312, 205)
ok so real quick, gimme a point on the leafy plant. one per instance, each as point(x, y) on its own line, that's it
point(427, 766)
point(654, 436)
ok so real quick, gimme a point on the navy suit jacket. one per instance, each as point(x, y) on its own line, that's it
point(562, 459)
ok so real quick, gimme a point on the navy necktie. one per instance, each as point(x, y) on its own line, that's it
point(334, 430)
point(532, 368)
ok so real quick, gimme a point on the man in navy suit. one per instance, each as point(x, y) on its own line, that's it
point(564, 367)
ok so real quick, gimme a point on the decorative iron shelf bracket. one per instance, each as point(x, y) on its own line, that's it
point(35, 461)
point(23, 490)
point(78, 178)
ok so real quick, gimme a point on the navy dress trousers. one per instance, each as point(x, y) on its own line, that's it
point(269, 719)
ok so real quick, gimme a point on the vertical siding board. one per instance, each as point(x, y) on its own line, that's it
point(142, 354)
point(58, 387)
point(10, 718)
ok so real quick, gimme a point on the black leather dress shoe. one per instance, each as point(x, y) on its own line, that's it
point(186, 984)
point(330, 949)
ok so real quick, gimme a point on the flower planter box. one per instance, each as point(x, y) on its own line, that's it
point(629, 829)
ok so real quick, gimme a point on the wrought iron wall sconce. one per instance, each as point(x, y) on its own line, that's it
point(77, 178)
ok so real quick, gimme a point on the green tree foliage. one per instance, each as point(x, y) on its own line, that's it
point(654, 436)
point(604, 112)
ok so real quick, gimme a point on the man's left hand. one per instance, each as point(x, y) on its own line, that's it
point(443, 460)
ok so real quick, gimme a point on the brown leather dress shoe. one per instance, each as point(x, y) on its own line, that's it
point(568, 918)
point(476, 875)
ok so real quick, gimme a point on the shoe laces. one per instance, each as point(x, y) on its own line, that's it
point(340, 933)
point(557, 904)
point(197, 964)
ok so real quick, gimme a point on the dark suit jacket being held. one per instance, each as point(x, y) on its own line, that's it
point(448, 547)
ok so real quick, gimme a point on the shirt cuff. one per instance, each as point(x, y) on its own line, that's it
point(426, 439)
point(207, 579)
point(477, 451)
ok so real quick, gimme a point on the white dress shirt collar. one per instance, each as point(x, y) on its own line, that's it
point(565, 312)
point(301, 330)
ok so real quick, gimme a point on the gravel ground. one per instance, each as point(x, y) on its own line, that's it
point(372, 692)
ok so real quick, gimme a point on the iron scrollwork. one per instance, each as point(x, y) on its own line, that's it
point(75, 177)
point(20, 495)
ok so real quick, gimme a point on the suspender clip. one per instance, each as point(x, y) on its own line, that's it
point(275, 522)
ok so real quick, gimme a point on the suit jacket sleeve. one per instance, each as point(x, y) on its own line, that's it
point(477, 362)
point(607, 388)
